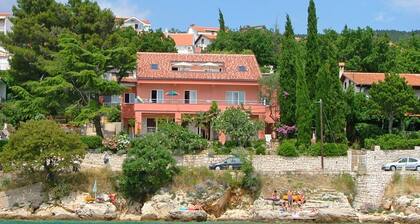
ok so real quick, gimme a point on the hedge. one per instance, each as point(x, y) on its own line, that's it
point(2, 144)
point(287, 148)
point(329, 149)
point(393, 141)
point(92, 142)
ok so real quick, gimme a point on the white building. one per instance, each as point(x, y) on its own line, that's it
point(362, 81)
point(5, 27)
point(198, 30)
point(203, 41)
point(184, 42)
point(140, 25)
point(5, 24)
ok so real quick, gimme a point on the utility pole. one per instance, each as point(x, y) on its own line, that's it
point(322, 134)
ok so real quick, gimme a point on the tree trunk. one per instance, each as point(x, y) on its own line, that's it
point(390, 124)
point(98, 127)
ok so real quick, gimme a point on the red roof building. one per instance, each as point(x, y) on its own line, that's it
point(173, 85)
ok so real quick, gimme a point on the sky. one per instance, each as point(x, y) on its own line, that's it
point(333, 14)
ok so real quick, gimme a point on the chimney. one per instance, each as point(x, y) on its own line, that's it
point(341, 65)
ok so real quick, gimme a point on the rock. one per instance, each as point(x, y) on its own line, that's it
point(74, 201)
point(30, 196)
point(336, 215)
point(97, 211)
point(371, 218)
point(386, 204)
point(266, 215)
point(54, 212)
point(188, 216)
point(403, 201)
point(412, 219)
point(158, 207)
point(235, 215)
point(130, 217)
point(19, 213)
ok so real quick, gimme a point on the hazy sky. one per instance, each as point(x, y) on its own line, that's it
point(379, 14)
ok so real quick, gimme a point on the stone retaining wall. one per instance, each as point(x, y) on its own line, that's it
point(375, 159)
point(273, 163)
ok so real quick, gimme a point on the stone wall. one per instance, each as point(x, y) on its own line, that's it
point(96, 160)
point(375, 159)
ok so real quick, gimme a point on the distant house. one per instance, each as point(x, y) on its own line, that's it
point(172, 85)
point(210, 33)
point(362, 81)
point(203, 41)
point(140, 25)
point(184, 42)
point(5, 24)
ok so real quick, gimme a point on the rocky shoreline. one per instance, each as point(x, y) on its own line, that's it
point(320, 207)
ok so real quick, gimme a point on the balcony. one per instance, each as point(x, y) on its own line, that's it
point(193, 106)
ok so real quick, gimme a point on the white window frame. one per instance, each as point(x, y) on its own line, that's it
point(234, 97)
point(158, 99)
point(192, 100)
point(131, 98)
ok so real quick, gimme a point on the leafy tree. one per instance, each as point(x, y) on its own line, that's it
point(156, 41)
point(287, 75)
point(148, 167)
point(408, 55)
point(204, 119)
point(42, 145)
point(221, 22)
point(237, 124)
point(312, 48)
point(303, 106)
point(393, 97)
point(269, 92)
point(260, 42)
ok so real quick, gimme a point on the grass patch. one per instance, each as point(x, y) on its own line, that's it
point(403, 185)
point(189, 177)
point(345, 183)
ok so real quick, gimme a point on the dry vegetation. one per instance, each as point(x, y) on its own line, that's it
point(403, 185)
point(190, 177)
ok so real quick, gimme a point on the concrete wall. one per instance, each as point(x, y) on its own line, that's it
point(375, 159)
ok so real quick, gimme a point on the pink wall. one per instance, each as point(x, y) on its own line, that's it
point(204, 92)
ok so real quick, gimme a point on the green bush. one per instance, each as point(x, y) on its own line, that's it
point(181, 140)
point(367, 131)
point(92, 142)
point(287, 148)
point(329, 149)
point(393, 141)
point(2, 144)
point(259, 147)
point(251, 180)
point(148, 167)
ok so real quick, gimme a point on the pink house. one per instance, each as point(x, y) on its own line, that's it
point(172, 85)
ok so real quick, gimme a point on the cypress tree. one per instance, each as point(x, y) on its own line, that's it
point(287, 75)
point(221, 21)
point(303, 106)
point(312, 48)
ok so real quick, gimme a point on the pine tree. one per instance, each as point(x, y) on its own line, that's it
point(312, 48)
point(221, 21)
point(328, 88)
point(303, 105)
point(287, 76)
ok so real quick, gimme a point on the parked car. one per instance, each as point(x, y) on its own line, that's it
point(233, 163)
point(409, 163)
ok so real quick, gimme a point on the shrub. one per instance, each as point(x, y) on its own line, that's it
point(123, 142)
point(366, 131)
point(2, 144)
point(251, 180)
point(92, 142)
point(181, 140)
point(287, 148)
point(329, 149)
point(110, 143)
point(393, 141)
point(148, 167)
point(42, 145)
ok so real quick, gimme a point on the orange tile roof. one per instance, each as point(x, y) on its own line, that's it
point(182, 39)
point(367, 78)
point(230, 66)
point(145, 21)
point(5, 14)
point(205, 29)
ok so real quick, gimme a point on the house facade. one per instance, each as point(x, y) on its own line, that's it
point(139, 25)
point(172, 85)
point(362, 81)
point(5, 27)
point(184, 42)
point(203, 41)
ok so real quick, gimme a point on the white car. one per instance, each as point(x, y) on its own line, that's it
point(409, 163)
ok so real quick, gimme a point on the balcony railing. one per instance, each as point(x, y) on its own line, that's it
point(201, 102)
